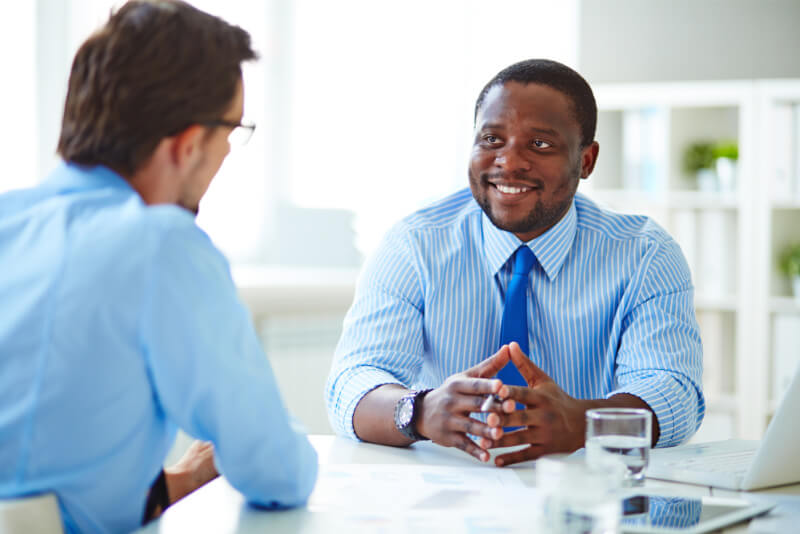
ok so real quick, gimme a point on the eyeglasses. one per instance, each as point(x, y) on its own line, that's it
point(240, 133)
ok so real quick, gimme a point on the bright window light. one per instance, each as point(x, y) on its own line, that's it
point(18, 93)
point(383, 94)
point(362, 107)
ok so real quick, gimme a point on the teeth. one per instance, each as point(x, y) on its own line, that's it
point(511, 190)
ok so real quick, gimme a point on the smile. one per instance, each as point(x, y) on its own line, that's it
point(509, 190)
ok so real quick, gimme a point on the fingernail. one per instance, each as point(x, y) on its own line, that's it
point(499, 462)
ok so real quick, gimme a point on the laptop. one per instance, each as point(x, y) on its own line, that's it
point(739, 464)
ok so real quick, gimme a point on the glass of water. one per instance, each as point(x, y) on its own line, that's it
point(575, 498)
point(619, 435)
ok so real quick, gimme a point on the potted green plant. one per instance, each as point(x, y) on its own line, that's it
point(789, 264)
point(726, 154)
point(698, 161)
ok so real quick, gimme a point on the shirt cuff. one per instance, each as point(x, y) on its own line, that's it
point(358, 383)
point(671, 404)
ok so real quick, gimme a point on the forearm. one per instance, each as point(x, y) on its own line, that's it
point(173, 484)
point(621, 400)
point(195, 468)
point(179, 484)
point(373, 419)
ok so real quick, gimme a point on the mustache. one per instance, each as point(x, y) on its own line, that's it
point(515, 176)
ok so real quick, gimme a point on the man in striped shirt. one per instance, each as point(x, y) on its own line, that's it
point(609, 298)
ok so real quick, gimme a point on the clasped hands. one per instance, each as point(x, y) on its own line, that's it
point(551, 420)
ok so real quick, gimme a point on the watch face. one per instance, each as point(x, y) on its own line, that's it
point(405, 412)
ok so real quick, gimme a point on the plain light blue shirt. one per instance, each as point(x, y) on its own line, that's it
point(610, 310)
point(120, 322)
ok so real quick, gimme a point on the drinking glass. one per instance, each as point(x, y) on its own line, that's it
point(576, 498)
point(619, 435)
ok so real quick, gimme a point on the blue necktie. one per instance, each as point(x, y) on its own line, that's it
point(515, 313)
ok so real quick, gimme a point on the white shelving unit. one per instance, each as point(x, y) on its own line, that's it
point(778, 225)
point(730, 236)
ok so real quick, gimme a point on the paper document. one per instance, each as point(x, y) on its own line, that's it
point(403, 498)
point(403, 486)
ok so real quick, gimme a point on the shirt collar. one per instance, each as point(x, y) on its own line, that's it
point(550, 248)
point(71, 176)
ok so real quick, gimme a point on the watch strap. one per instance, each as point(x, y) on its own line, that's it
point(410, 430)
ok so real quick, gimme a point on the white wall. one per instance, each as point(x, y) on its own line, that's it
point(652, 40)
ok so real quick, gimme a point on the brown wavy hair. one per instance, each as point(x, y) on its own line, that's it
point(155, 68)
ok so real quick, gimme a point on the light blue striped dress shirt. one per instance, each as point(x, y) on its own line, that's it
point(610, 310)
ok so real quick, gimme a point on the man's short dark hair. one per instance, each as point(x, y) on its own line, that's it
point(155, 68)
point(559, 77)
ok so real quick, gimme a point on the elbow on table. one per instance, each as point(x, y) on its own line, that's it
point(687, 414)
point(290, 484)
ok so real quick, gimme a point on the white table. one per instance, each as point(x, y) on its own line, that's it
point(218, 507)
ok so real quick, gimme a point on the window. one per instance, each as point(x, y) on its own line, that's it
point(18, 92)
point(383, 96)
point(364, 109)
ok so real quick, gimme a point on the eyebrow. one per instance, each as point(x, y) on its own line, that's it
point(544, 131)
point(491, 125)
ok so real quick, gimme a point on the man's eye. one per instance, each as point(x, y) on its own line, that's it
point(538, 143)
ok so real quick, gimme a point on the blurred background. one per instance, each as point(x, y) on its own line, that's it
point(364, 113)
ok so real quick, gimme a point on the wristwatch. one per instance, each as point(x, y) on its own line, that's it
point(406, 413)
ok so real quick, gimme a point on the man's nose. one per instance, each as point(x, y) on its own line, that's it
point(511, 158)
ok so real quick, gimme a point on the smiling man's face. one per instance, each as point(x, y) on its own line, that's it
point(526, 157)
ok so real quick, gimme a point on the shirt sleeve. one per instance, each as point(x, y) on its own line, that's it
point(660, 356)
point(212, 378)
point(382, 338)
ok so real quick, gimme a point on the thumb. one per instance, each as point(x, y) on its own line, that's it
point(529, 371)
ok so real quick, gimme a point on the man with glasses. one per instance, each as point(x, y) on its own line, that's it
point(119, 320)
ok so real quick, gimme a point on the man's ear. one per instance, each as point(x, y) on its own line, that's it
point(186, 146)
point(588, 159)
